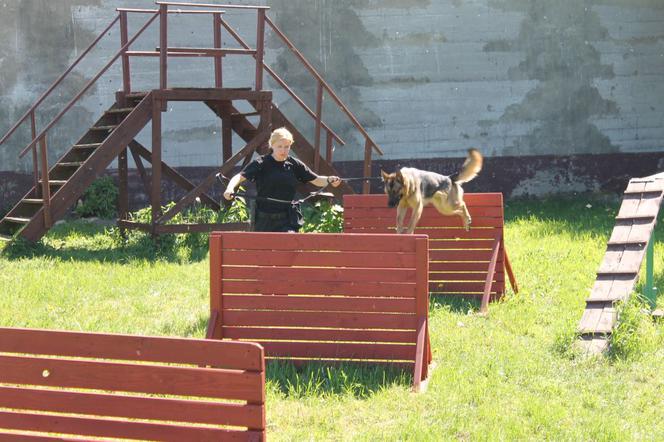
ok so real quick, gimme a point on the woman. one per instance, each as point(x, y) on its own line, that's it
point(276, 176)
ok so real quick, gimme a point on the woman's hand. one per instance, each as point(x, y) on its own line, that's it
point(334, 180)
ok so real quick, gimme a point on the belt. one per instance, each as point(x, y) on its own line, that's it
point(272, 215)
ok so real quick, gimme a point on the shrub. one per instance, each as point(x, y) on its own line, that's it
point(323, 217)
point(100, 199)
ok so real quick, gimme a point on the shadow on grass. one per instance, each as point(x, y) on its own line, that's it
point(360, 380)
point(454, 304)
point(85, 241)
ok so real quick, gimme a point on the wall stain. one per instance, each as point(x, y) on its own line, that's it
point(38, 40)
point(556, 37)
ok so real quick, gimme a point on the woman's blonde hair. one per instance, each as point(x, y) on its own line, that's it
point(280, 134)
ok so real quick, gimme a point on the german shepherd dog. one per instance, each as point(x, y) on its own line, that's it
point(415, 188)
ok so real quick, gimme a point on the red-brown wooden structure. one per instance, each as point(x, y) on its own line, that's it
point(461, 263)
point(329, 297)
point(58, 186)
point(96, 385)
point(618, 273)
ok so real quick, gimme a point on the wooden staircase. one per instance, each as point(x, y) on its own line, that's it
point(77, 168)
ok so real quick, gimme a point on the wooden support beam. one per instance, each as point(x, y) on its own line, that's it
point(173, 174)
point(155, 190)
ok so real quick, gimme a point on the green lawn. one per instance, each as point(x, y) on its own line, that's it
point(513, 375)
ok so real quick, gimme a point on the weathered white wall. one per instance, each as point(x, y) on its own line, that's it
point(428, 78)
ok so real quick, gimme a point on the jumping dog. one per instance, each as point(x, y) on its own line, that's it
point(415, 188)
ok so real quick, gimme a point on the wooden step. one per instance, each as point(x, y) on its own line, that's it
point(32, 200)
point(70, 164)
point(55, 182)
point(5, 238)
point(120, 110)
point(16, 219)
point(248, 114)
point(104, 128)
point(86, 146)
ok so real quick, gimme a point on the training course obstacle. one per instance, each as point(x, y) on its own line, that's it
point(631, 240)
point(461, 263)
point(324, 297)
point(129, 387)
point(58, 186)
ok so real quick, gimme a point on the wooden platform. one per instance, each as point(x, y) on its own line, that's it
point(619, 270)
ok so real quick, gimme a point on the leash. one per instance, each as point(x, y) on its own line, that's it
point(361, 178)
point(319, 192)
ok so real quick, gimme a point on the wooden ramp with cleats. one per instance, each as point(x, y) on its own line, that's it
point(619, 271)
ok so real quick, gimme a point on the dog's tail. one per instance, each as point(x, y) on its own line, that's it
point(471, 167)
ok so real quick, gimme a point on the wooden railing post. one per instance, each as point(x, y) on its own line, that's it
point(328, 147)
point(46, 191)
point(126, 77)
point(155, 197)
point(319, 119)
point(366, 186)
point(163, 46)
point(260, 40)
point(216, 30)
point(35, 159)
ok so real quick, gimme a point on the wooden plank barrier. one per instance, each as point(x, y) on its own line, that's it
point(56, 384)
point(324, 297)
point(461, 263)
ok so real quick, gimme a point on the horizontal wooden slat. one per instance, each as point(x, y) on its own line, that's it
point(446, 266)
point(318, 303)
point(320, 334)
point(135, 407)
point(378, 199)
point(445, 276)
point(313, 274)
point(340, 350)
point(429, 213)
point(316, 319)
point(315, 258)
point(622, 259)
point(316, 241)
point(433, 221)
point(377, 289)
point(459, 255)
point(113, 428)
point(125, 347)
point(139, 378)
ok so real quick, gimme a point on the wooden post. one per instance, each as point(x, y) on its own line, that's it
point(155, 198)
point(366, 186)
point(422, 308)
point(260, 40)
point(163, 46)
point(126, 78)
point(216, 31)
point(650, 256)
point(123, 197)
point(329, 147)
point(35, 159)
point(46, 191)
point(226, 130)
point(216, 290)
point(319, 119)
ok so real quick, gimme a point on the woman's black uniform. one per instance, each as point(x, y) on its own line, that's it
point(278, 180)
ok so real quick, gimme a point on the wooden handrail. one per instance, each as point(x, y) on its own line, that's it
point(208, 5)
point(58, 81)
point(87, 86)
point(174, 11)
point(327, 87)
point(282, 83)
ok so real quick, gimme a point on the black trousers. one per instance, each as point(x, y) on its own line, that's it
point(274, 222)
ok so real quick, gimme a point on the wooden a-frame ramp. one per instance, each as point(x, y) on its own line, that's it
point(630, 240)
point(57, 187)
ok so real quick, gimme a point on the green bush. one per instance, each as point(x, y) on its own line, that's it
point(323, 217)
point(100, 199)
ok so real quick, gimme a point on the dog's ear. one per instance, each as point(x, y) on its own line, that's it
point(384, 175)
point(399, 176)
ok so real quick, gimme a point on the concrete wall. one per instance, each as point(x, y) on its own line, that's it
point(515, 78)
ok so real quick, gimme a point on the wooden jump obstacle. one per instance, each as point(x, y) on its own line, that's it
point(129, 387)
point(461, 263)
point(619, 270)
point(323, 297)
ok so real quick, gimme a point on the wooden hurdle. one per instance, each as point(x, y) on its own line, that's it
point(326, 297)
point(462, 263)
point(93, 385)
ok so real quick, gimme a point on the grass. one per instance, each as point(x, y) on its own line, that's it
point(514, 375)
